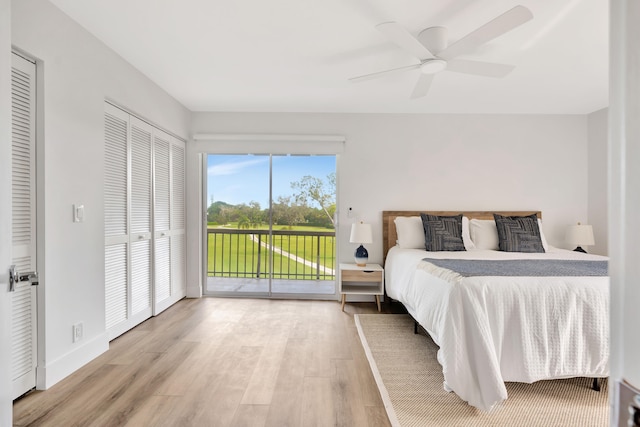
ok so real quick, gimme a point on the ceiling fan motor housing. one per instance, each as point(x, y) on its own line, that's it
point(434, 39)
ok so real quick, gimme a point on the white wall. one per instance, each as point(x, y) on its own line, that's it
point(79, 73)
point(597, 202)
point(6, 408)
point(624, 190)
point(392, 162)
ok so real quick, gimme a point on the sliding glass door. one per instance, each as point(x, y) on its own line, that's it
point(270, 225)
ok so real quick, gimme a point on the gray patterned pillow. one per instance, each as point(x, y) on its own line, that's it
point(518, 233)
point(442, 233)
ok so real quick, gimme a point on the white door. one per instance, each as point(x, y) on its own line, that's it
point(128, 213)
point(178, 227)
point(141, 219)
point(116, 251)
point(127, 221)
point(23, 202)
point(144, 220)
point(161, 218)
point(169, 244)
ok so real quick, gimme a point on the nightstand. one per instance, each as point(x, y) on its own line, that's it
point(367, 280)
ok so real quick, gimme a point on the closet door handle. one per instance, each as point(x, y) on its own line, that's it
point(31, 276)
point(15, 277)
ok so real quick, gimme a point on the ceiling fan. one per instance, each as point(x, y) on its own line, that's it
point(430, 48)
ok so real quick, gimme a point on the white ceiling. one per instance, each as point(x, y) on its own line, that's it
point(296, 55)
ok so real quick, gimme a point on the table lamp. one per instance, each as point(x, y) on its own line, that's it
point(580, 235)
point(361, 233)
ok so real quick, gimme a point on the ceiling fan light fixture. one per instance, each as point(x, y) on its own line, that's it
point(432, 66)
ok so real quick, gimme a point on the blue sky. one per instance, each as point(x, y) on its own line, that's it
point(240, 179)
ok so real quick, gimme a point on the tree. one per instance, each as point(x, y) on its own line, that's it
point(224, 215)
point(285, 212)
point(243, 222)
point(218, 212)
point(317, 218)
point(249, 215)
point(322, 192)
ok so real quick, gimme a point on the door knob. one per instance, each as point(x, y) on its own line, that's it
point(30, 276)
point(15, 277)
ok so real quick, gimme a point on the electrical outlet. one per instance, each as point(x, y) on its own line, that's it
point(78, 330)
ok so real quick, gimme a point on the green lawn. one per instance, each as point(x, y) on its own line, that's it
point(234, 226)
point(236, 255)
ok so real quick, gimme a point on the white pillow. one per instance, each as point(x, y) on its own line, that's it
point(484, 234)
point(545, 246)
point(410, 232)
point(466, 236)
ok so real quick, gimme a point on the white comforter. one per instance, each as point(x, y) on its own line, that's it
point(496, 329)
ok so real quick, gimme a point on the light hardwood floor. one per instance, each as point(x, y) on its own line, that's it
point(223, 362)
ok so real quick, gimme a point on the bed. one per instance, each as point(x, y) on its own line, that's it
point(512, 317)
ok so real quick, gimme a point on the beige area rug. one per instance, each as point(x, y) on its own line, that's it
point(410, 381)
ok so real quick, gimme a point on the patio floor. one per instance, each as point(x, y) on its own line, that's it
point(279, 286)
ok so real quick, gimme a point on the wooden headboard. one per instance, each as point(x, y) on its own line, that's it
point(389, 235)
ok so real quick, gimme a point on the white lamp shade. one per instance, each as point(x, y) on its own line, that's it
point(580, 235)
point(361, 233)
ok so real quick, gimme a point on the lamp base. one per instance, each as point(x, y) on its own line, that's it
point(579, 249)
point(361, 256)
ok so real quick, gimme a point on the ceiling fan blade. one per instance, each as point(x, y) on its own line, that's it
point(489, 31)
point(401, 37)
point(422, 85)
point(487, 69)
point(383, 73)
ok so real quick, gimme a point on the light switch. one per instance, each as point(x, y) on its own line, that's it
point(78, 213)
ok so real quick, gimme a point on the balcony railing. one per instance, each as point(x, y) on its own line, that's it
point(297, 255)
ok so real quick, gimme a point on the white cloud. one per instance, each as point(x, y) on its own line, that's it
point(232, 168)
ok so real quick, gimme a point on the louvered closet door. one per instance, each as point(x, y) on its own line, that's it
point(24, 319)
point(116, 221)
point(141, 210)
point(144, 263)
point(128, 215)
point(162, 234)
point(169, 221)
point(178, 243)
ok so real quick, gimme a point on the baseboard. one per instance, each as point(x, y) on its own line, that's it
point(73, 360)
point(194, 291)
point(163, 305)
